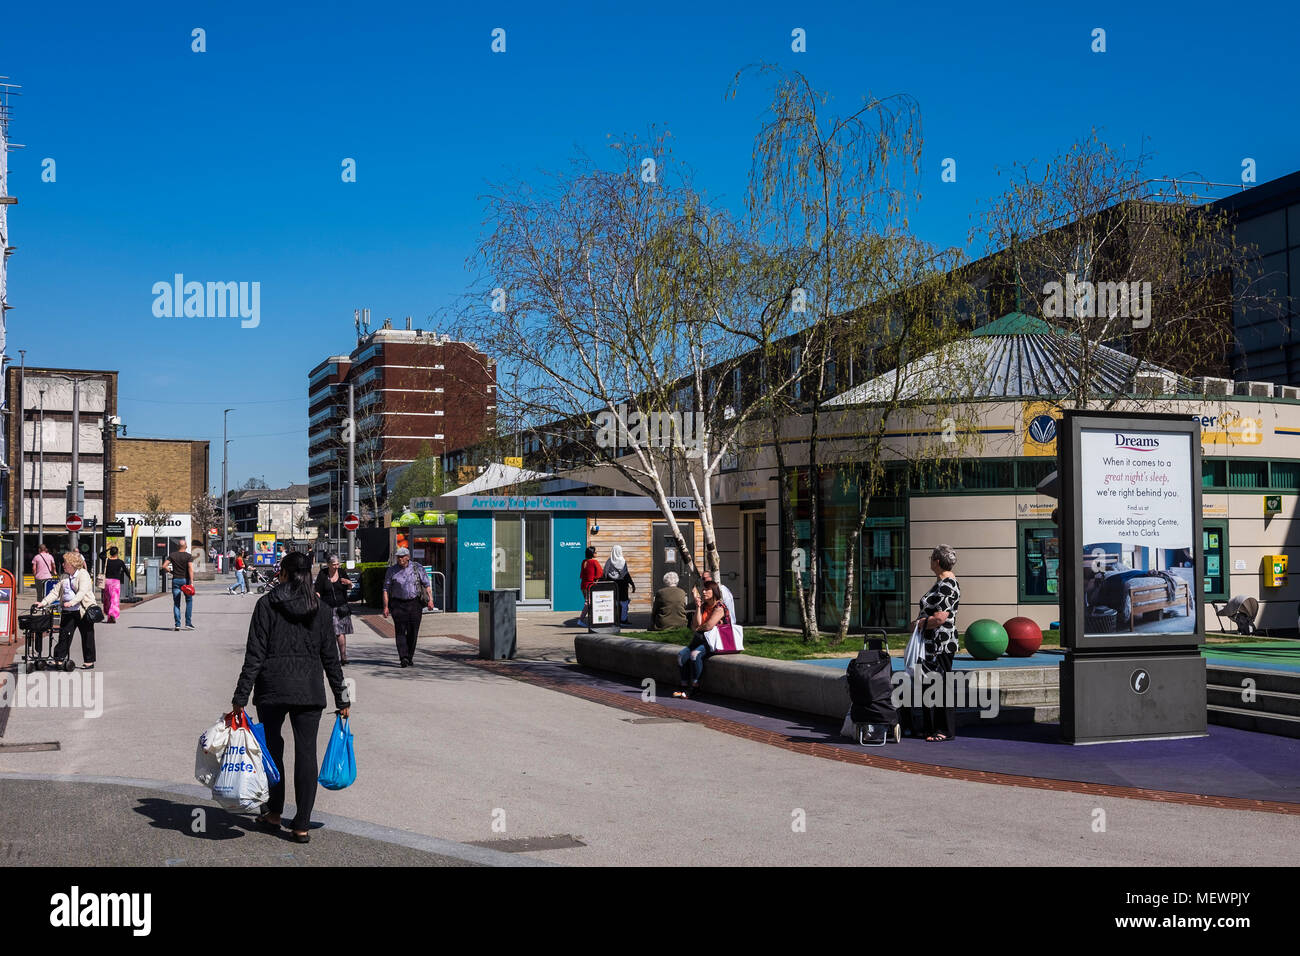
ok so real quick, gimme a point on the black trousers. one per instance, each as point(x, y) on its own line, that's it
point(941, 719)
point(305, 722)
point(70, 621)
point(406, 622)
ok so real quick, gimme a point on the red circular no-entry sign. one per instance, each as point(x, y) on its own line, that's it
point(74, 522)
point(351, 522)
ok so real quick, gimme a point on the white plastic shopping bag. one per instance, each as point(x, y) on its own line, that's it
point(207, 758)
point(241, 782)
point(915, 652)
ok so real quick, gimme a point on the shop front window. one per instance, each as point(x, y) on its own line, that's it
point(1040, 562)
point(1214, 549)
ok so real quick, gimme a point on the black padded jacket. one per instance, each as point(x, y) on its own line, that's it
point(291, 647)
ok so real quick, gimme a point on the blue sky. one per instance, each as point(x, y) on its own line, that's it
point(225, 165)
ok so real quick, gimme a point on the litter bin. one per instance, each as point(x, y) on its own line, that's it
point(496, 625)
point(153, 575)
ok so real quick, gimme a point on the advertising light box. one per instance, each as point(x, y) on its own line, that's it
point(1131, 512)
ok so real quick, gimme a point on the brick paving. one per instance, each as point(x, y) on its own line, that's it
point(577, 688)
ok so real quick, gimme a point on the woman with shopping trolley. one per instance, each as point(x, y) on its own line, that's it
point(75, 594)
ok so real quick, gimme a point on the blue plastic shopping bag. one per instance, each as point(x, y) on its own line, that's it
point(339, 768)
point(268, 763)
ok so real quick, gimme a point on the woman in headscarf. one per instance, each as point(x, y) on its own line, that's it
point(616, 570)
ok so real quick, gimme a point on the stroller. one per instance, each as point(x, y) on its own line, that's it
point(873, 717)
point(1241, 611)
point(263, 578)
point(36, 624)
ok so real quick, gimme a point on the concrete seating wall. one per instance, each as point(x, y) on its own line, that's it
point(812, 690)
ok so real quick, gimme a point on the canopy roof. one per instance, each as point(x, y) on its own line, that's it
point(498, 476)
point(1015, 356)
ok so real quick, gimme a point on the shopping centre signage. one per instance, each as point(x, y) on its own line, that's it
point(574, 503)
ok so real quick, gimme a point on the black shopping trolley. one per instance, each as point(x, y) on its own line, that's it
point(36, 625)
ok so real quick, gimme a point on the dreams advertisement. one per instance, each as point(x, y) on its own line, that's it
point(1139, 574)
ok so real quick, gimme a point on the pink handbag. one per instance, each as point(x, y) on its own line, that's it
point(726, 638)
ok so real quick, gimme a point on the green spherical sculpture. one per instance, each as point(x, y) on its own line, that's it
point(986, 640)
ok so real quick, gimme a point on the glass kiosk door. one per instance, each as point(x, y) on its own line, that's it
point(521, 556)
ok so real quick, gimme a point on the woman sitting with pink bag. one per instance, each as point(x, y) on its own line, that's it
point(708, 614)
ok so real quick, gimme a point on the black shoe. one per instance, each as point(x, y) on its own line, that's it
point(300, 837)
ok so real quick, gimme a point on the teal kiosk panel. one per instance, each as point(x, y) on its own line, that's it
point(569, 534)
point(474, 557)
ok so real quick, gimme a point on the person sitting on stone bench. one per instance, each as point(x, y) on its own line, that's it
point(669, 608)
point(709, 613)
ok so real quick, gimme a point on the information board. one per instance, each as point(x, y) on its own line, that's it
point(602, 607)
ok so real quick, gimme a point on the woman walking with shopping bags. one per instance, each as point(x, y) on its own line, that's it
point(333, 587)
point(75, 593)
point(291, 651)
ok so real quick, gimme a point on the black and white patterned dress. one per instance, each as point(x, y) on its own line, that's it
point(945, 595)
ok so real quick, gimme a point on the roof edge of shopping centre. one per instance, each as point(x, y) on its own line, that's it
point(1016, 356)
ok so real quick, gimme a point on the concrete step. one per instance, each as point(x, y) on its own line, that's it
point(1267, 702)
point(1279, 724)
point(1023, 714)
point(1049, 694)
point(1285, 682)
point(1018, 676)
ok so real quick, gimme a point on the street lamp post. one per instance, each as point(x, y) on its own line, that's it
point(40, 481)
point(225, 493)
point(22, 509)
point(74, 538)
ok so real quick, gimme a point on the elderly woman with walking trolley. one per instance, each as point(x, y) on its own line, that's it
point(75, 593)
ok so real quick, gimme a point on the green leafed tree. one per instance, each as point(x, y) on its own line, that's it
point(421, 479)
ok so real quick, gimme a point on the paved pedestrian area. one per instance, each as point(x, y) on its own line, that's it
point(95, 823)
point(463, 752)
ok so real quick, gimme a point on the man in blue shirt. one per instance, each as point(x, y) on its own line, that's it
point(406, 589)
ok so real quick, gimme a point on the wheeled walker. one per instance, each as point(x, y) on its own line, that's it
point(37, 624)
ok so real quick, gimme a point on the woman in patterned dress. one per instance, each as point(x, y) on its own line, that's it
point(938, 622)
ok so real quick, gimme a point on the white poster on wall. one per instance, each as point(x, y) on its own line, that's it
point(1137, 531)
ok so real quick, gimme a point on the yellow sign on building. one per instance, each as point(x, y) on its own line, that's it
point(513, 462)
point(1229, 428)
point(1041, 420)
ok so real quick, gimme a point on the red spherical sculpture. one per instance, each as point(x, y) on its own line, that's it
point(1024, 637)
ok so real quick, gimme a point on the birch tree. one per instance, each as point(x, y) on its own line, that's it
point(613, 298)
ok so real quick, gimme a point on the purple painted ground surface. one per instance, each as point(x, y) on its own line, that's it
point(1227, 763)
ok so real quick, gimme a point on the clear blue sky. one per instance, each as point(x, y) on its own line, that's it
point(225, 165)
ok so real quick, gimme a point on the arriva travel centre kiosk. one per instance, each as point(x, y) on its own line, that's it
point(535, 544)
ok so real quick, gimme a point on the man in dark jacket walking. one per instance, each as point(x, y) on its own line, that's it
point(291, 647)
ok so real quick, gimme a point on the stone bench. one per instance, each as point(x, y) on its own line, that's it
point(812, 690)
point(1025, 694)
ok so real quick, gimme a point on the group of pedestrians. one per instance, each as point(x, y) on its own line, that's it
point(616, 570)
point(74, 592)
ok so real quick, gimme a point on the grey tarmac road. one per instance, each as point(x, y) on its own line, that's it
point(454, 753)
